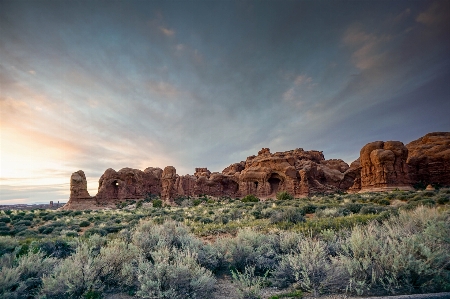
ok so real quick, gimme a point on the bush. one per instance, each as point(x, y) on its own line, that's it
point(157, 203)
point(250, 198)
point(7, 244)
point(284, 196)
point(249, 285)
point(95, 231)
point(288, 215)
point(22, 279)
point(174, 274)
point(5, 219)
point(251, 248)
point(84, 223)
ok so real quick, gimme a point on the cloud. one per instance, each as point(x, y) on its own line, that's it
point(436, 15)
point(166, 31)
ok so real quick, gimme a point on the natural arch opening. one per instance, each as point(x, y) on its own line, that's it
point(115, 185)
point(275, 182)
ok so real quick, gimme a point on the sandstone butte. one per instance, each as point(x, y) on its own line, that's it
point(381, 166)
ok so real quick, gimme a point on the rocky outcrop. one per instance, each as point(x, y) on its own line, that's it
point(383, 166)
point(429, 159)
point(298, 172)
point(78, 186)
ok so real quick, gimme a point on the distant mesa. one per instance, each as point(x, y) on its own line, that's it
point(382, 166)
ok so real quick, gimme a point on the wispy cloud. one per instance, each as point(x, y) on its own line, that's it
point(166, 31)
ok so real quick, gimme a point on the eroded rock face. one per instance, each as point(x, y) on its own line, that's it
point(429, 159)
point(78, 186)
point(168, 180)
point(298, 172)
point(383, 166)
point(128, 183)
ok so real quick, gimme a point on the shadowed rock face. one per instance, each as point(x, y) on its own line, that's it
point(429, 159)
point(383, 166)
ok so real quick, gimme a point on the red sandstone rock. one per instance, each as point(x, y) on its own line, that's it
point(168, 179)
point(429, 159)
point(78, 186)
point(383, 166)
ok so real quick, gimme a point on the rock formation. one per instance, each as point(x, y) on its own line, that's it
point(78, 186)
point(382, 166)
point(429, 159)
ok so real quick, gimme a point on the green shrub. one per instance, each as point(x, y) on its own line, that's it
point(5, 219)
point(249, 285)
point(139, 204)
point(250, 198)
point(23, 278)
point(284, 196)
point(157, 203)
point(443, 199)
point(309, 209)
point(294, 294)
point(196, 202)
point(84, 223)
point(95, 231)
point(250, 248)
point(288, 215)
point(174, 274)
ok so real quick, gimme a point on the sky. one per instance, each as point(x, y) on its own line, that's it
point(93, 85)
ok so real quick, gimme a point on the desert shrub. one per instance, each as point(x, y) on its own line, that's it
point(174, 274)
point(309, 209)
point(84, 223)
point(289, 215)
point(308, 266)
point(250, 198)
point(408, 253)
point(294, 294)
point(369, 209)
point(7, 244)
point(95, 231)
point(354, 207)
point(149, 236)
point(73, 276)
point(22, 279)
point(157, 203)
point(443, 199)
point(139, 204)
point(329, 212)
point(251, 248)
point(56, 248)
point(5, 219)
point(27, 234)
point(4, 230)
point(249, 285)
point(428, 193)
point(23, 222)
point(45, 229)
point(284, 196)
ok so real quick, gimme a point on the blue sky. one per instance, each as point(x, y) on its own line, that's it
point(96, 84)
